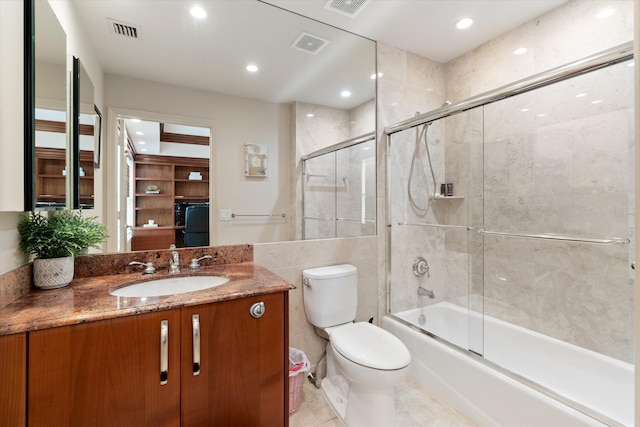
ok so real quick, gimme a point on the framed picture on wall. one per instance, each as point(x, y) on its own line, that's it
point(255, 157)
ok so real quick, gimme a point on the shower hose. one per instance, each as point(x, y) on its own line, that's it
point(421, 135)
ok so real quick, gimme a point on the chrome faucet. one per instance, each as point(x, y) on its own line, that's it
point(148, 267)
point(425, 292)
point(174, 262)
point(195, 263)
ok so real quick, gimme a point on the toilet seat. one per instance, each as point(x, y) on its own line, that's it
point(370, 346)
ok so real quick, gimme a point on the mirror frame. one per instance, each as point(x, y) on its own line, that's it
point(30, 202)
point(97, 134)
point(74, 157)
point(29, 104)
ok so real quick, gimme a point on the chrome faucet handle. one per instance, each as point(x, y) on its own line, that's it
point(148, 267)
point(421, 267)
point(174, 261)
point(195, 262)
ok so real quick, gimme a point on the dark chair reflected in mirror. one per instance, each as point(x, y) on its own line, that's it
point(196, 225)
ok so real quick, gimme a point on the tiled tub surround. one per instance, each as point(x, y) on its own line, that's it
point(531, 173)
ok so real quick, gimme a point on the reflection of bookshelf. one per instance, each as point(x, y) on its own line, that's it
point(86, 181)
point(169, 178)
point(50, 182)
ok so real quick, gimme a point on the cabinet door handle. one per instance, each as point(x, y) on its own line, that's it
point(195, 323)
point(164, 351)
point(257, 310)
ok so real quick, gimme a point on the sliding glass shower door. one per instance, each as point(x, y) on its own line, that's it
point(523, 256)
point(435, 204)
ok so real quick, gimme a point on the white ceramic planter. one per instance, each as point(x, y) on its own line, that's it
point(52, 273)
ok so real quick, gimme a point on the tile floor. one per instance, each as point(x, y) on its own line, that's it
point(414, 408)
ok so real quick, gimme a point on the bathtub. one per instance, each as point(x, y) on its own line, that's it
point(489, 395)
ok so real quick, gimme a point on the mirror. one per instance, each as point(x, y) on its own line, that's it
point(168, 184)
point(339, 190)
point(84, 136)
point(45, 175)
point(291, 106)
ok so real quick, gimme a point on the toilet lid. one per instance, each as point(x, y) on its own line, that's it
point(371, 346)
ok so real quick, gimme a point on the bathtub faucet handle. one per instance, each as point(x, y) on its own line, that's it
point(420, 267)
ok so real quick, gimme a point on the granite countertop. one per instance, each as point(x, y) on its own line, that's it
point(88, 299)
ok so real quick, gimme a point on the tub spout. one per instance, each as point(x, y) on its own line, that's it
point(425, 292)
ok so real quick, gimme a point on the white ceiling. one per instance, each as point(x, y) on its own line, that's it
point(145, 135)
point(426, 27)
point(211, 54)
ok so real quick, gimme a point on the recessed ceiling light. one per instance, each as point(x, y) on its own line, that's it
point(520, 51)
point(252, 68)
point(345, 94)
point(540, 115)
point(309, 114)
point(581, 95)
point(143, 149)
point(198, 12)
point(464, 23)
point(140, 133)
point(605, 13)
point(141, 142)
point(375, 76)
point(597, 101)
point(524, 110)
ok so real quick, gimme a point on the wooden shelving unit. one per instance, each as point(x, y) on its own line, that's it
point(171, 176)
point(50, 182)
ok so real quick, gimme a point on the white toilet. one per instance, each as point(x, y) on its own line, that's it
point(364, 362)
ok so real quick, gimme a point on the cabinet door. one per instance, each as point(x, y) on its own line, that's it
point(105, 373)
point(13, 380)
point(243, 368)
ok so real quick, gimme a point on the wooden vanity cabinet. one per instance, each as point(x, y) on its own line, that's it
point(108, 373)
point(13, 380)
point(242, 375)
point(105, 373)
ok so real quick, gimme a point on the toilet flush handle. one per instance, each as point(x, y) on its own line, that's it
point(305, 281)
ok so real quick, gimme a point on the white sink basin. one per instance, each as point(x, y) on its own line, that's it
point(169, 286)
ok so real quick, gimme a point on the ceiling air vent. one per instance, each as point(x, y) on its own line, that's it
point(124, 29)
point(309, 43)
point(349, 8)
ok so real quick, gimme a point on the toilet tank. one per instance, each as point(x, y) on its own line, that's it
point(330, 294)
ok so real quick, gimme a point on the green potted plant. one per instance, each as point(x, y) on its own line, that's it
point(55, 239)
